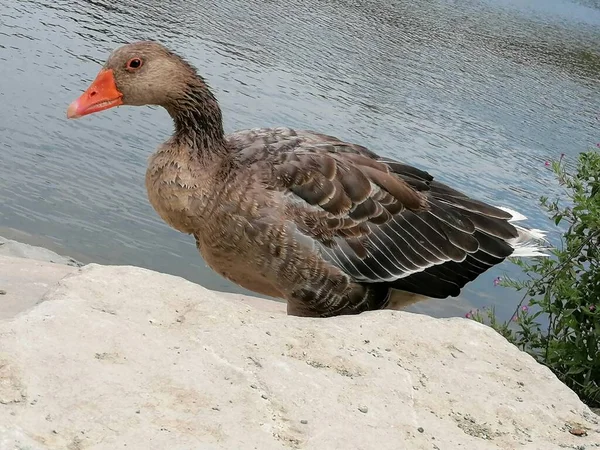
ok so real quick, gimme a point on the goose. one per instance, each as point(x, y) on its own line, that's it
point(326, 225)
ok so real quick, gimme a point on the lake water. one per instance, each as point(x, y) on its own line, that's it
point(478, 92)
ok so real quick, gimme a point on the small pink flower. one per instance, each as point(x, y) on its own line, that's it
point(547, 163)
point(468, 315)
point(592, 308)
point(598, 145)
point(497, 281)
point(514, 318)
point(525, 308)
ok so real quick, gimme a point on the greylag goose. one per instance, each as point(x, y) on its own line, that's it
point(325, 224)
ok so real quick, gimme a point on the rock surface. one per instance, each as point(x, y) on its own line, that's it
point(26, 273)
point(9, 247)
point(122, 357)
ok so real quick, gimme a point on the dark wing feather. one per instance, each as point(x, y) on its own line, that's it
point(378, 220)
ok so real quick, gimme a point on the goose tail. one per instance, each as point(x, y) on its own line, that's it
point(530, 242)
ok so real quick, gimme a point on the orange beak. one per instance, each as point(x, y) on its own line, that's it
point(102, 94)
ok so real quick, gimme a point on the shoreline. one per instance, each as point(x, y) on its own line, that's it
point(40, 243)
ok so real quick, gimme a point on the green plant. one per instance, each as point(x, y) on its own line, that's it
point(558, 319)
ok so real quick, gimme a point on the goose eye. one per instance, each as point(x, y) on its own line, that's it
point(134, 63)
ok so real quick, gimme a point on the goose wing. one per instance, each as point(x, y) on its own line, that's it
point(377, 219)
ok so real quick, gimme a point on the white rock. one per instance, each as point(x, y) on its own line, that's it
point(25, 281)
point(122, 357)
point(8, 247)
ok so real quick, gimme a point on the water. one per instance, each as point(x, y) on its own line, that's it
point(480, 93)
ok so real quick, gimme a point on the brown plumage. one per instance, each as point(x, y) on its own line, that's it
point(325, 224)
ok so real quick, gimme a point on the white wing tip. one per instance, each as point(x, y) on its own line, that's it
point(529, 251)
point(527, 243)
point(516, 215)
point(530, 234)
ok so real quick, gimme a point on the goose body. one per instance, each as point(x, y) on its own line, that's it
point(325, 224)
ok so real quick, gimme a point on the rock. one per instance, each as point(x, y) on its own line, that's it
point(25, 281)
point(578, 431)
point(17, 249)
point(89, 358)
point(26, 273)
